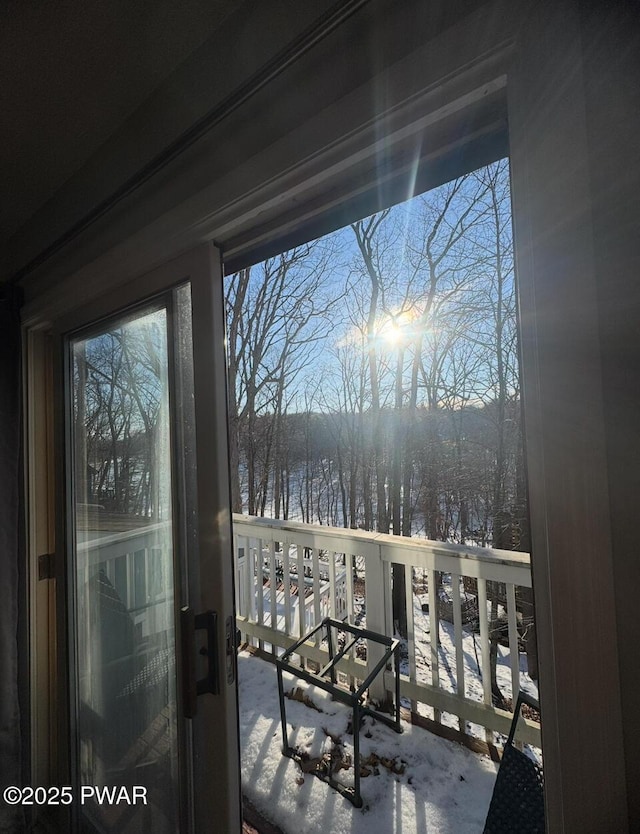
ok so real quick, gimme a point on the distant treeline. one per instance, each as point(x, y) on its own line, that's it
point(322, 472)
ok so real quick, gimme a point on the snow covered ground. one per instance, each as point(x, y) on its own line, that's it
point(417, 782)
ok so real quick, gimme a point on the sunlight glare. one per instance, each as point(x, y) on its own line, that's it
point(394, 330)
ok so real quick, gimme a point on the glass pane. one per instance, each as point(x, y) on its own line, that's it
point(125, 641)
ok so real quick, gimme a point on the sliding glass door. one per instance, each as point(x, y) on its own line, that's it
point(123, 577)
point(153, 718)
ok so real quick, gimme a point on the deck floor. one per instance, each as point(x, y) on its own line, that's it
point(415, 782)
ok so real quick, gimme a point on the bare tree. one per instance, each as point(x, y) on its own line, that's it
point(276, 314)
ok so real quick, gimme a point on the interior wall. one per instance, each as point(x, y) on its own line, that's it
point(573, 132)
point(611, 48)
point(12, 614)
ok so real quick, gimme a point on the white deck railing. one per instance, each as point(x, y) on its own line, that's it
point(348, 575)
point(135, 563)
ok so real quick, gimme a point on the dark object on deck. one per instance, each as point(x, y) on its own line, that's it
point(352, 699)
point(517, 804)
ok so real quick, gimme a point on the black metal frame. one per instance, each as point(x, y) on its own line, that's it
point(352, 699)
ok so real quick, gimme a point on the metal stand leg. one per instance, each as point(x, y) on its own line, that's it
point(283, 717)
point(396, 657)
point(357, 799)
point(332, 669)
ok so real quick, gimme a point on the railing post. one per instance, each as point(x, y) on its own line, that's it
point(377, 593)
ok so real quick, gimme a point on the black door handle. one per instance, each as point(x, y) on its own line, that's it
point(191, 687)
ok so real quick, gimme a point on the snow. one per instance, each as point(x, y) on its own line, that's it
point(439, 787)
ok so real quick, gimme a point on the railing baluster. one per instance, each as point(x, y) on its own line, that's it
point(349, 562)
point(332, 583)
point(388, 597)
point(433, 633)
point(514, 652)
point(252, 570)
point(484, 647)
point(333, 593)
point(131, 580)
point(239, 578)
point(249, 581)
point(349, 580)
point(457, 641)
point(317, 615)
point(302, 608)
point(260, 584)
point(246, 590)
point(273, 592)
point(302, 599)
point(411, 634)
point(147, 574)
point(286, 583)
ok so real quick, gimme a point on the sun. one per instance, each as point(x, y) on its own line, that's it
point(392, 334)
point(393, 330)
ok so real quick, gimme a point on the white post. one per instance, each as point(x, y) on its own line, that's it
point(376, 596)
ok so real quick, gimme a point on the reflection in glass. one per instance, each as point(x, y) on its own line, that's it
point(125, 642)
